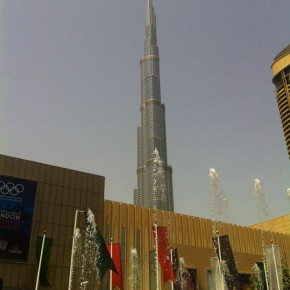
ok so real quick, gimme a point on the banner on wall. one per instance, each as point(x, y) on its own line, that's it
point(17, 201)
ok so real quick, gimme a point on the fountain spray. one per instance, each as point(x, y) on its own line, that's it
point(76, 235)
point(219, 203)
point(158, 190)
point(218, 208)
point(85, 254)
point(183, 274)
point(263, 214)
point(134, 271)
point(258, 282)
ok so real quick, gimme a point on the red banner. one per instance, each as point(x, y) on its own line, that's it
point(117, 279)
point(164, 254)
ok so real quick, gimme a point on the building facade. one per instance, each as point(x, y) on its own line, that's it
point(151, 133)
point(279, 224)
point(281, 80)
point(192, 237)
point(60, 192)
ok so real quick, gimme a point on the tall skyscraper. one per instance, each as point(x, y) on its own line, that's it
point(151, 133)
point(281, 79)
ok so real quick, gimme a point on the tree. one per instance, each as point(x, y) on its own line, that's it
point(254, 285)
point(286, 277)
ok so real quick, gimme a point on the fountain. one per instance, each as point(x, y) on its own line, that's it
point(134, 271)
point(76, 250)
point(288, 193)
point(159, 179)
point(261, 202)
point(263, 214)
point(183, 274)
point(217, 273)
point(85, 255)
point(218, 209)
point(90, 252)
point(257, 279)
point(219, 204)
point(158, 191)
point(271, 253)
point(161, 242)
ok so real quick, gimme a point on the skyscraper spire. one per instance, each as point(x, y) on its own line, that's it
point(152, 132)
point(150, 16)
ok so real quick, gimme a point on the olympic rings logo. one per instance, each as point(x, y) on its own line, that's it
point(10, 188)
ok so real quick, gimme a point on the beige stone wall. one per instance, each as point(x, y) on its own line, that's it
point(60, 192)
point(191, 235)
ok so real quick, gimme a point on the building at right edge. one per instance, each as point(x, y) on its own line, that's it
point(281, 80)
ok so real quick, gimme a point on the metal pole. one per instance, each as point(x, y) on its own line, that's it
point(111, 272)
point(171, 258)
point(275, 264)
point(73, 250)
point(219, 262)
point(156, 252)
point(266, 273)
point(40, 261)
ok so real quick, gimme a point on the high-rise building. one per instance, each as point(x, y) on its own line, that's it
point(281, 79)
point(151, 133)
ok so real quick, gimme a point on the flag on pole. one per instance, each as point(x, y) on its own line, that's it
point(231, 275)
point(274, 266)
point(117, 278)
point(45, 259)
point(104, 260)
point(164, 254)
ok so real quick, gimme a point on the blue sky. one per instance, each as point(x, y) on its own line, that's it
point(70, 94)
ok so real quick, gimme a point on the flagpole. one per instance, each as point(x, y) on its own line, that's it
point(156, 253)
point(73, 250)
point(40, 260)
point(266, 272)
point(275, 264)
point(111, 271)
point(157, 188)
point(220, 263)
point(171, 258)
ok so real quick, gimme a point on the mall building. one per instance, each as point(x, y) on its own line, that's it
point(47, 198)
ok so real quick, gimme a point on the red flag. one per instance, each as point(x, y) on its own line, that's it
point(164, 254)
point(117, 278)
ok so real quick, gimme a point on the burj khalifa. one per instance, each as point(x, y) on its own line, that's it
point(151, 133)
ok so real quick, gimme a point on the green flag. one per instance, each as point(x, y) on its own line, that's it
point(103, 258)
point(45, 259)
point(104, 261)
